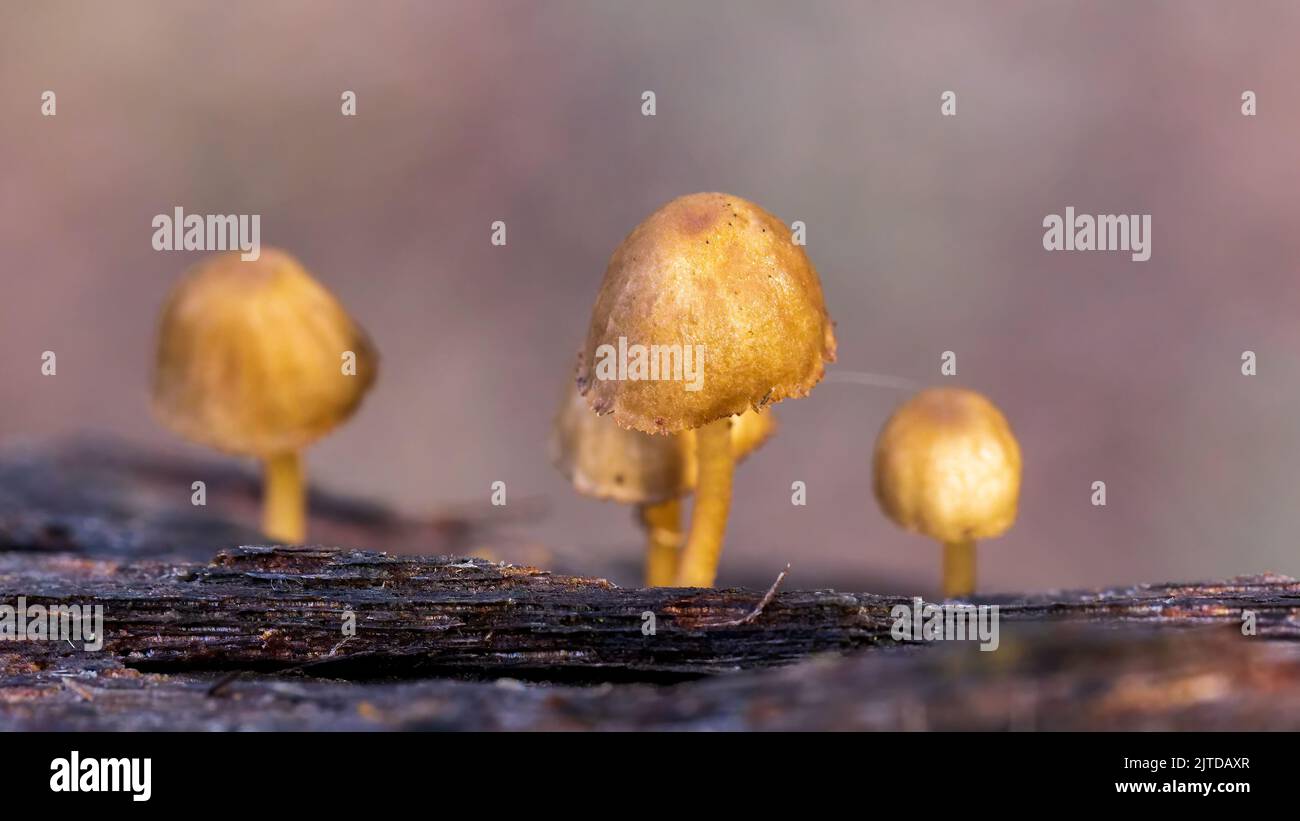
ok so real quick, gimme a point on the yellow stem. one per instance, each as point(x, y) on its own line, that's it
point(958, 569)
point(699, 563)
point(284, 499)
point(663, 528)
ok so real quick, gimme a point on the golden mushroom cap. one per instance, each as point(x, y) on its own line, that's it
point(947, 465)
point(717, 271)
point(251, 356)
point(608, 462)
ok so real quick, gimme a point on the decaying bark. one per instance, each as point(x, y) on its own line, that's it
point(106, 499)
point(259, 637)
point(275, 608)
point(255, 639)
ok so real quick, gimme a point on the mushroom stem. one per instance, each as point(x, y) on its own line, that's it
point(699, 563)
point(958, 569)
point(283, 499)
point(663, 528)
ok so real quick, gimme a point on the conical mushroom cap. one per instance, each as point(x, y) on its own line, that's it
point(251, 356)
point(609, 462)
point(947, 465)
point(707, 270)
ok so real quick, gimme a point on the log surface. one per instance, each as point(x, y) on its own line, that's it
point(256, 637)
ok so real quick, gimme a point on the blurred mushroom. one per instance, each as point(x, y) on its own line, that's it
point(650, 471)
point(947, 465)
point(718, 275)
point(253, 360)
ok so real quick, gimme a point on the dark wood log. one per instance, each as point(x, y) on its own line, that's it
point(177, 633)
point(104, 498)
point(256, 638)
point(272, 608)
point(268, 608)
point(1053, 679)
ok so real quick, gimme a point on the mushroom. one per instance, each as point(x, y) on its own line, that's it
point(652, 472)
point(253, 360)
point(717, 282)
point(947, 465)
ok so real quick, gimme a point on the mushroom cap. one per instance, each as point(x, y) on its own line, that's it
point(717, 271)
point(947, 465)
point(250, 356)
point(608, 462)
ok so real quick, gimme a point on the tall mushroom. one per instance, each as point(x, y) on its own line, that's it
point(256, 358)
point(718, 282)
point(947, 465)
point(605, 461)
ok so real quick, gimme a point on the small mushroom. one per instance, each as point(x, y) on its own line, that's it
point(253, 359)
point(652, 472)
point(947, 465)
point(717, 275)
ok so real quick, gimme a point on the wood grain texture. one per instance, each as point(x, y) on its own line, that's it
point(253, 638)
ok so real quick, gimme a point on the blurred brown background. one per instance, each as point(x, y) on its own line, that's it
point(926, 231)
